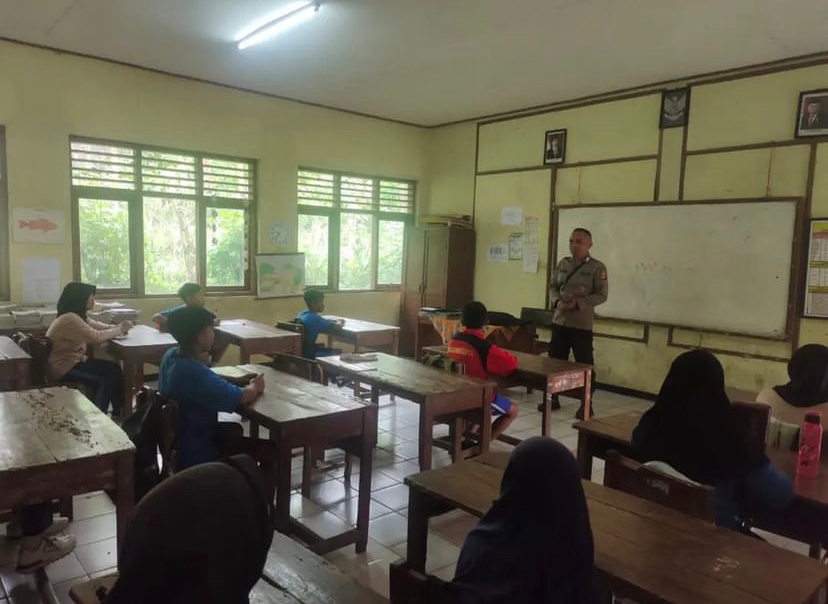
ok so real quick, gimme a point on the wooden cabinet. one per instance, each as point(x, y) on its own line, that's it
point(439, 271)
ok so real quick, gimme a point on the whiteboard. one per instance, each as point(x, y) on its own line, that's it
point(716, 266)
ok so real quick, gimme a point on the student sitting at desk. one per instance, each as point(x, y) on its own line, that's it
point(807, 390)
point(691, 428)
point(71, 333)
point(192, 295)
point(201, 394)
point(481, 358)
point(315, 324)
point(535, 542)
point(201, 536)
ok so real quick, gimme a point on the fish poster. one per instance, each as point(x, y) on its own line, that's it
point(31, 225)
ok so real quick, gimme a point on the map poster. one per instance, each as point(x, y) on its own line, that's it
point(280, 275)
point(30, 225)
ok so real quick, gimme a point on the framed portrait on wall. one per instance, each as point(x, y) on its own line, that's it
point(554, 147)
point(675, 108)
point(812, 114)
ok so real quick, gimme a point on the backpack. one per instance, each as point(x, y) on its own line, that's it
point(143, 429)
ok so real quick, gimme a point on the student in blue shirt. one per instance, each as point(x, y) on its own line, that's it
point(191, 294)
point(201, 394)
point(315, 324)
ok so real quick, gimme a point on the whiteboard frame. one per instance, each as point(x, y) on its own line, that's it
point(796, 280)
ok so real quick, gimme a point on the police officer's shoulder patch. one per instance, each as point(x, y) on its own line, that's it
point(604, 275)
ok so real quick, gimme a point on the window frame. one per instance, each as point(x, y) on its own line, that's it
point(135, 203)
point(334, 215)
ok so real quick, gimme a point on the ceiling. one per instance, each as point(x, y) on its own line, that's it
point(430, 62)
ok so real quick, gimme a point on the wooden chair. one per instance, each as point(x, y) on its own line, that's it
point(458, 423)
point(634, 478)
point(296, 326)
point(310, 370)
point(168, 435)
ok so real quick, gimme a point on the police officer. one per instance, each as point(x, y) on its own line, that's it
point(578, 286)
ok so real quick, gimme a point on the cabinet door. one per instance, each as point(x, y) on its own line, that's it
point(460, 267)
point(411, 296)
point(436, 267)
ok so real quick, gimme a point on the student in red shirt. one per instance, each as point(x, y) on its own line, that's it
point(482, 358)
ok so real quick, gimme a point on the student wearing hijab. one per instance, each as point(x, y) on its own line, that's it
point(691, 428)
point(806, 390)
point(70, 333)
point(535, 542)
point(200, 537)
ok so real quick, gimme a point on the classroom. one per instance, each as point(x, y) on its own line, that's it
point(413, 290)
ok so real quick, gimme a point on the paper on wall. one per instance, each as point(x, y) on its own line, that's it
point(41, 280)
point(512, 216)
point(531, 257)
point(498, 253)
point(531, 226)
point(31, 225)
point(516, 246)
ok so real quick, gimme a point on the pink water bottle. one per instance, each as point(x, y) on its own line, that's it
point(810, 445)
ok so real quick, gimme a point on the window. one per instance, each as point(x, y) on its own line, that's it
point(352, 229)
point(148, 219)
point(4, 220)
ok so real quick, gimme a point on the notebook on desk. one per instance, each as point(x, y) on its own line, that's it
point(234, 375)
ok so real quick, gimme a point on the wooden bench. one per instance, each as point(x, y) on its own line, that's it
point(292, 575)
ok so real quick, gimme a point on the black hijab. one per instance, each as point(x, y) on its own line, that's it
point(535, 543)
point(808, 373)
point(74, 298)
point(200, 537)
point(691, 425)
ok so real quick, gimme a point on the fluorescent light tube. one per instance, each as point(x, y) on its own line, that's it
point(274, 25)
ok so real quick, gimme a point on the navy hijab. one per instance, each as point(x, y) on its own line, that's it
point(808, 373)
point(691, 425)
point(200, 537)
point(535, 543)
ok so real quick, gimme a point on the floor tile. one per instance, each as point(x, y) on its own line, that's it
point(439, 552)
point(378, 480)
point(92, 504)
point(97, 556)
point(331, 492)
point(62, 588)
point(395, 497)
point(301, 506)
point(65, 569)
point(347, 510)
point(400, 469)
point(96, 528)
point(389, 530)
point(326, 524)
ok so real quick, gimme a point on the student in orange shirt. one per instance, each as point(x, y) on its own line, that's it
point(482, 358)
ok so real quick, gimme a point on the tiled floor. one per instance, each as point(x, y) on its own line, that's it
point(332, 506)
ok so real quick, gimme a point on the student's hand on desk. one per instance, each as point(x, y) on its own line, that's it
point(258, 383)
point(126, 326)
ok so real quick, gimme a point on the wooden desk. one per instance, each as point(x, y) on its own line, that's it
point(15, 366)
point(301, 413)
point(539, 372)
point(54, 443)
point(143, 344)
point(364, 335)
point(647, 552)
point(254, 338)
point(437, 392)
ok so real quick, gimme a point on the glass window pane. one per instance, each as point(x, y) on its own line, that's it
point(355, 247)
point(226, 246)
point(104, 242)
point(391, 244)
point(169, 244)
point(313, 241)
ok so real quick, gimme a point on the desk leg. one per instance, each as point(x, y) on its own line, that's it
point(244, 354)
point(131, 368)
point(282, 469)
point(220, 346)
point(427, 435)
point(486, 428)
point(587, 400)
point(395, 343)
point(369, 430)
point(585, 451)
point(415, 554)
point(546, 416)
point(124, 494)
point(23, 374)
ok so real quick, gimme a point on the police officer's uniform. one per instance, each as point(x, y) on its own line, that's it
point(586, 283)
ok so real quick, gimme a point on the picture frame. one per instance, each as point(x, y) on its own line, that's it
point(812, 114)
point(675, 108)
point(554, 147)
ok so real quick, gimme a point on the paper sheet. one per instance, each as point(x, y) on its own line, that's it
point(531, 225)
point(498, 253)
point(511, 216)
point(41, 280)
point(531, 256)
point(31, 225)
point(516, 246)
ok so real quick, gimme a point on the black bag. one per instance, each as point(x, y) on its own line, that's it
point(143, 429)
